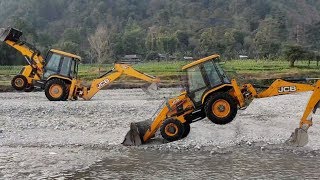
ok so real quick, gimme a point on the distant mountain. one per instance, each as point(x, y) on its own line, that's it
point(257, 28)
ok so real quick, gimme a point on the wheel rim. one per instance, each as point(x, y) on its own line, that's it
point(55, 91)
point(221, 108)
point(171, 129)
point(19, 82)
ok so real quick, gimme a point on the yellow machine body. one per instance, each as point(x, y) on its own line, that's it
point(34, 71)
point(219, 103)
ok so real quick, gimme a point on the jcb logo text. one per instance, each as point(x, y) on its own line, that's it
point(285, 89)
point(103, 83)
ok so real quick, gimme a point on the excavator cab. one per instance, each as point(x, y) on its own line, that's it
point(203, 77)
point(59, 63)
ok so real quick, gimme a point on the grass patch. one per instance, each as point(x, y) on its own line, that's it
point(169, 71)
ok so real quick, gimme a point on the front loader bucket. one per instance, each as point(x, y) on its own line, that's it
point(134, 137)
point(10, 34)
point(150, 88)
point(299, 138)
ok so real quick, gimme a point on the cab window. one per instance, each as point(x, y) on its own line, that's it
point(195, 79)
point(66, 66)
point(223, 74)
point(212, 74)
point(53, 62)
point(73, 68)
point(196, 83)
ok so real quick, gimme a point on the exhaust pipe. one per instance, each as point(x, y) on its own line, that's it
point(10, 34)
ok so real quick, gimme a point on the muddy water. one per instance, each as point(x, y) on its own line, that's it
point(235, 163)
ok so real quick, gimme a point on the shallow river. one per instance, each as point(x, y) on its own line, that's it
point(235, 163)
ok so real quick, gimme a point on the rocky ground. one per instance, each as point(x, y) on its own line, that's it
point(39, 138)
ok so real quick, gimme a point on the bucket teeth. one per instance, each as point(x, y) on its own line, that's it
point(298, 138)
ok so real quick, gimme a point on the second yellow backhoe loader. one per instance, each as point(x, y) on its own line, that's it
point(31, 72)
point(38, 68)
point(57, 73)
point(209, 93)
point(300, 136)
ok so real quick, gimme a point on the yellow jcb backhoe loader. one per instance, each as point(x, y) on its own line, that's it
point(57, 73)
point(67, 86)
point(300, 136)
point(38, 68)
point(209, 93)
point(31, 72)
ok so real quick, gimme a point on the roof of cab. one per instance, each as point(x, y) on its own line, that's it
point(200, 61)
point(66, 54)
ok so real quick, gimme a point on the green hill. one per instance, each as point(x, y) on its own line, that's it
point(257, 28)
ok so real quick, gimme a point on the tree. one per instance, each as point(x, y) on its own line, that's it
point(183, 40)
point(100, 44)
point(211, 41)
point(133, 39)
point(267, 39)
point(313, 35)
point(293, 53)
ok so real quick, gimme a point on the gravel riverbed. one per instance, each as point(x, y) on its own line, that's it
point(40, 139)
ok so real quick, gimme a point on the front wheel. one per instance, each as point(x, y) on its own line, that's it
point(172, 130)
point(56, 90)
point(19, 82)
point(221, 108)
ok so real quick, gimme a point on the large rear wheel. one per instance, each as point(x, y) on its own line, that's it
point(56, 90)
point(19, 82)
point(172, 130)
point(221, 108)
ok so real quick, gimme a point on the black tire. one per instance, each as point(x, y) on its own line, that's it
point(186, 130)
point(172, 130)
point(60, 86)
point(29, 88)
point(228, 112)
point(19, 82)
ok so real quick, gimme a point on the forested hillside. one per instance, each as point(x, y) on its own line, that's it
point(101, 30)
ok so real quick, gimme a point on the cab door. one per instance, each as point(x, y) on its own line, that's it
point(196, 84)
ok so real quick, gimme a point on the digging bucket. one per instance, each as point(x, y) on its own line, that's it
point(134, 137)
point(299, 138)
point(10, 34)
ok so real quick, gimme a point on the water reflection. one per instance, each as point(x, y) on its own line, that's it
point(238, 163)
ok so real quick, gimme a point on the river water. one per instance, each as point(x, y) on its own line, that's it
point(233, 163)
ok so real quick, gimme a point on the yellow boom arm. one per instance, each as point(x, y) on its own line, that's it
point(34, 58)
point(311, 107)
point(170, 110)
point(119, 69)
point(300, 136)
point(34, 69)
